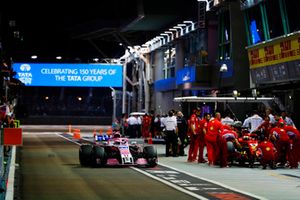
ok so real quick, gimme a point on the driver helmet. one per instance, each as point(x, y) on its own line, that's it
point(116, 135)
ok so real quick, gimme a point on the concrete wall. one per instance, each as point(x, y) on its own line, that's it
point(163, 101)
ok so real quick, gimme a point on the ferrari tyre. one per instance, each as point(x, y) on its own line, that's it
point(99, 157)
point(230, 147)
point(150, 154)
point(85, 154)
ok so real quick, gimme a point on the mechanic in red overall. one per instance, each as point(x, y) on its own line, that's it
point(265, 127)
point(227, 134)
point(282, 142)
point(146, 124)
point(268, 154)
point(294, 135)
point(213, 131)
point(193, 127)
point(201, 139)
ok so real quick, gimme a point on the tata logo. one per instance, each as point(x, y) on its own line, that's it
point(25, 76)
point(25, 67)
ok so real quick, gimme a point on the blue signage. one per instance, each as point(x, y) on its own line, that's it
point(78, 75)
point(186, 75)
point(165, 84)
point(254, 33)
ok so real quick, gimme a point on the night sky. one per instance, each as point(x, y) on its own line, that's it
point(49, 29)
point(52, 28)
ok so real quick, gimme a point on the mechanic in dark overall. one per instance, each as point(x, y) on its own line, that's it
point(182, 132)
point(171, 138)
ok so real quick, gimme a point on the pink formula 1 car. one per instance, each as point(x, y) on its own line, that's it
point(116, 150)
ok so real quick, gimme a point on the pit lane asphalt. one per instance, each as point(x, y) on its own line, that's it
point(49, 169)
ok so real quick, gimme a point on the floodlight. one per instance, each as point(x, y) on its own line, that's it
point(235, 93)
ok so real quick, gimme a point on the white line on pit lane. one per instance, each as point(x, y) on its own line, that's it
point(170, 184)
point(59, 134)
point(217, 183)
point(39, 133)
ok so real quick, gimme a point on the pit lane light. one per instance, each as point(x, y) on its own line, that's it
point(176, 32)
point(192, 25)
point(169, 35)
point(183, 27)
point(34, 57)
point(165, 34)
point(207, 3)
point(235, 93)
point(161, 39)
point(172, 35)
point(254, 92)
point(96, 59)
point(180, 28)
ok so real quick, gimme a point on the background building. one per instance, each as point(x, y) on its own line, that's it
point(191, 63)
point(260, 54)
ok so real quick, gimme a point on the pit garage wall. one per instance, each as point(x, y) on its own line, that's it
point(163, 100)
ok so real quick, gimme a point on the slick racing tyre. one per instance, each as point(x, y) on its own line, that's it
point(150, 154)
point(99, 157)
point(85, 155)
point(230, 147)
point(231, 152)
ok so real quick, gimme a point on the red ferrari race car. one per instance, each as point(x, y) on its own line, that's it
point(246, 151)
point(116, 151)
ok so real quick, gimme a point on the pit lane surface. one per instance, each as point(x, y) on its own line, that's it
point(264, 184)
point(49, 169)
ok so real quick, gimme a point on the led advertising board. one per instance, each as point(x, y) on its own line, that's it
point(75, 75)
point(275, 61)
point(281, 50)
